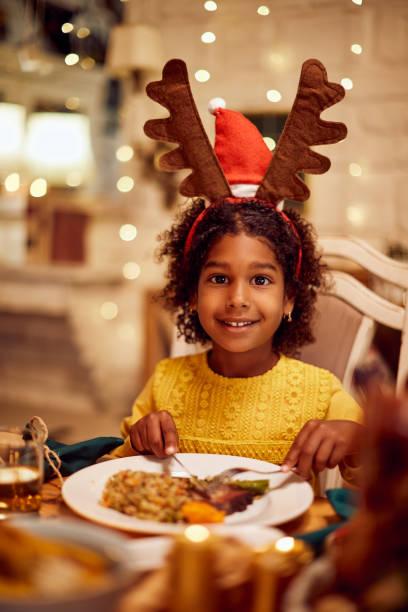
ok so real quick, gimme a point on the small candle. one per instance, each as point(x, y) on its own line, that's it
point(192, 564)
point(274, 568)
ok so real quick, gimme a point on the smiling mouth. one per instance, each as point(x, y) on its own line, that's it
point(237, 324)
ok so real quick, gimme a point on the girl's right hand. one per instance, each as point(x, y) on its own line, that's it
point(155, 434)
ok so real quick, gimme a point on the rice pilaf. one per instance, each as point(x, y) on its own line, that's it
point(148, 496)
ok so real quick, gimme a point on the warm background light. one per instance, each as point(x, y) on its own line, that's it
point(71, 59)
point(355, 169)
point(273, 95)
point(57, 144)
point(202, 76)
point(355, 215)
point(87, 63)
point(208, 37)
point(38, 188)
point(124, 153)
point(210, 5)
point(67, 27)
point(356, 48)
point(12, 182)
point(12, 124)
point(276, 59)
point(125, 184)
point(131, 270)
point(72, 103)
point(74, 178)
point(109, 310)
point(263, 10)
point(128, 232)
point(83, 32)
point(347, 83)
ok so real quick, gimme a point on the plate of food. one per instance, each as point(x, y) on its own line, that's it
point(149, 495)
point(63, 565)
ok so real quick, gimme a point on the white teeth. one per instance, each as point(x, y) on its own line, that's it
point(238, 323)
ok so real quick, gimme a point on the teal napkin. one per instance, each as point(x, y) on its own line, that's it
point(76, 456)
point(345, 503)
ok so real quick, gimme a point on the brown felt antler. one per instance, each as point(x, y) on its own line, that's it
point(303, 129)
point(184, 127)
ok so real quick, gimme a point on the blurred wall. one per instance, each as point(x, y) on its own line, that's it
point(254, 53)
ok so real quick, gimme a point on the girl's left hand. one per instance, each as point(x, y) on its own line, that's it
point(322, 444)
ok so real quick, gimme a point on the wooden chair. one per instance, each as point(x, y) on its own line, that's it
point(348, 311)
point(347, 315)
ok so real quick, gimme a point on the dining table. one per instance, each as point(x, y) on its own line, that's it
point(147, 588)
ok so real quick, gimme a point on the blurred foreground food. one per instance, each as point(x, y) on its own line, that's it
point(36, 566)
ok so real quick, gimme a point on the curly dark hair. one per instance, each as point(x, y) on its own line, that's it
point(254, 219)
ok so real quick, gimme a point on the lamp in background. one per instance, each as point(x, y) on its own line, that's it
point(135, 54)
point(12, 126)
point(58, 148)
point(134, 49)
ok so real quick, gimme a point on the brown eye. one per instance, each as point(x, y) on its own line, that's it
point(261, 280)
point(219, 279)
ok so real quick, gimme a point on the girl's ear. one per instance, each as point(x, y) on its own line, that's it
point(193, 302)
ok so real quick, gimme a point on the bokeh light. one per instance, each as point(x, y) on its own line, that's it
point(109, 311)
point(128, 232)
point(38, 188)
point(273, 95)
point(124, 153)
point(131, 270)
point(125, 184)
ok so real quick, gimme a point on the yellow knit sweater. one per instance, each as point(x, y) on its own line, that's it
point(251, 417)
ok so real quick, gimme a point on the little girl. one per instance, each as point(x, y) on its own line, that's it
point(243, 275)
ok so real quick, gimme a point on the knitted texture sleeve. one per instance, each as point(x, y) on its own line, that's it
point(342, 405)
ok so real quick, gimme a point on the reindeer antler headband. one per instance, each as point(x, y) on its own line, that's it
point(303, 128)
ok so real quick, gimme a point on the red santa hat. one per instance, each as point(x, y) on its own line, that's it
point(240, 149)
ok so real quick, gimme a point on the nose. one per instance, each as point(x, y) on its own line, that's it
point(238, 296)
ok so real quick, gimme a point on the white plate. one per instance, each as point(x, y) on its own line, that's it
point(290, 497)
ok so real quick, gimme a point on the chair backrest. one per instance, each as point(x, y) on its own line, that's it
point(347, 327)
point(343, 336)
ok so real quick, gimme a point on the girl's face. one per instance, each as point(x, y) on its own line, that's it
point(241, 295)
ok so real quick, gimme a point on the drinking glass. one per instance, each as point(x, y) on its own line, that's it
point(21, 472)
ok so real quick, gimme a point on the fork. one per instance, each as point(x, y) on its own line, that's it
point(230, 472)
point(194, 479)
point(227, 474)
point(181, 464)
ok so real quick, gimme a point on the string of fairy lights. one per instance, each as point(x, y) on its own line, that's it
point(127, 232)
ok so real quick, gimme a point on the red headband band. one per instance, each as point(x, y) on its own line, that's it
point(200, 217)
